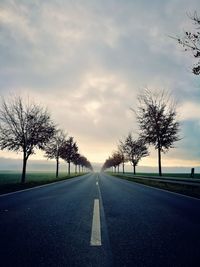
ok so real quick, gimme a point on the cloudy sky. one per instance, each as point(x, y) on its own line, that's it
point(88, 60)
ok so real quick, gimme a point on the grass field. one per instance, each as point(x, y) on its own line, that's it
point(10, 180)
point(8, 177)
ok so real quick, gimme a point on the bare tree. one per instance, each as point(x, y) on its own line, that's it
point(24, 127)
point(68, 151)
point(83, 161)
point(123, 155)
point(114, 161)
point(117, 160)
point(109, 163)
point(89, 165)
point(156, 116)
point(135, 150)
point(54, 147)
point(76, 161)
point(191, 42)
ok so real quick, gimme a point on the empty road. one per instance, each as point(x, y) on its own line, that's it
point(99, 220)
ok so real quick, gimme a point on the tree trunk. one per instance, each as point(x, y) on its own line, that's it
point(159, 162)
point(123, 167)
point(68, 168)
point(75, 168)
point(82, 168)
point(118, 168)
point(134, 172)
point(115, 169)
point(57, 167)
point(23, 177)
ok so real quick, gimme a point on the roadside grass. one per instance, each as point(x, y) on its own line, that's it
point(173, 175)
point(185, 189)
point(10, 181)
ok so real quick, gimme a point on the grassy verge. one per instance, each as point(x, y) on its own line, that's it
point(10, 183)
point(189, 190)
point(171, 175)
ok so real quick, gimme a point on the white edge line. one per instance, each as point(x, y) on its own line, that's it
point(28, 189)
point(35, 187)
point(182, 195)
point(160, 189)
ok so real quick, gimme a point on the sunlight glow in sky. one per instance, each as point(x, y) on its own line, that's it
point(88, 60)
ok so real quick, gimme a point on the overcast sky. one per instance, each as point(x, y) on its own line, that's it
point(88, 60)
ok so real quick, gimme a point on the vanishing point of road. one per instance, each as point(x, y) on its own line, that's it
point(99, 220)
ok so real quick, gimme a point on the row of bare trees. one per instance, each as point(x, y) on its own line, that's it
point(156, 114)
point(60, 147)
point(25, 127)
point(156, 117)
point(130, 150)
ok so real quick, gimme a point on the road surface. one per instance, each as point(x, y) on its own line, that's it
point(99, 220)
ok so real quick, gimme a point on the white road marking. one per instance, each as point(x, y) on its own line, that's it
point(97, 183)
point(156, 188)
point(96, 226)
point(39, 186)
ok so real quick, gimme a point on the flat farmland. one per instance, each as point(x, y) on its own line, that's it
point(10, 177)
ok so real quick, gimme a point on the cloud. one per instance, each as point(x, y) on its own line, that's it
point(189, 111)
point(87, 63)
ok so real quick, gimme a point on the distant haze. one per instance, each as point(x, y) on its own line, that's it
point(49, 166)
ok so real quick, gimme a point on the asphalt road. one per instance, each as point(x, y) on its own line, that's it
point(58, 225)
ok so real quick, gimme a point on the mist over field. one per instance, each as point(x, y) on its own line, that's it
point(49, 166)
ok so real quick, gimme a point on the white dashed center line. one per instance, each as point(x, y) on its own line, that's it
point(96, 226)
